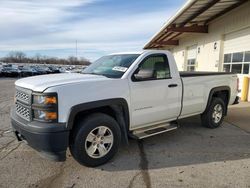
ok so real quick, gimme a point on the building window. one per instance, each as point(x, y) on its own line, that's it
point(237, 57)
point(247, 57)
point(191, 65)
point(236, 68)
point(246, 69)
point(226, 68)
point(227, 58)
point(238, 62)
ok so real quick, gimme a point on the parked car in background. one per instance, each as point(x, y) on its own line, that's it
point(6, 65)
point(40, 70)
point(27, 71)
point(69, 68)
point(47, 69)
point(10, 71)
point(24, 70)
point(63, 70)
point(76, 70)
point(54, 69)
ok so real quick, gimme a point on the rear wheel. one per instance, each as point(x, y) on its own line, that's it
point(214, 115)
point(95, 140)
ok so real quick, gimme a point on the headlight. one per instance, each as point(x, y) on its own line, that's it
point(45, 115)
point(44, 107)
point(43, 99)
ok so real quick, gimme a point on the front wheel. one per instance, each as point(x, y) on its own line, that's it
point(95, 140)
point(214, 115)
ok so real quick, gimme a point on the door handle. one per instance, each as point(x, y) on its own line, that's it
point(172, 85)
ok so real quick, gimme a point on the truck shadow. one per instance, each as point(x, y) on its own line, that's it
point(189, 145)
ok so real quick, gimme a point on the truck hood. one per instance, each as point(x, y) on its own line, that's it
point(41, 83)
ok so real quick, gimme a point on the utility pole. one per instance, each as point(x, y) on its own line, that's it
point(76, 49)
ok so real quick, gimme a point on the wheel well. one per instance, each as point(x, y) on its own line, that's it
point(82, 114)
point(115, 111)
point(223, 94)
point(116, 108)
point(105, 109)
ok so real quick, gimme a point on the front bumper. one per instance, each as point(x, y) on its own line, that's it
point(49, 139)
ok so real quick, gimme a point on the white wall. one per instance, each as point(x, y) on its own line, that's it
point(237, 41)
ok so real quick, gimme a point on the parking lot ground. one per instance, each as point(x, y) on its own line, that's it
point(239, 115)
point(191, 156)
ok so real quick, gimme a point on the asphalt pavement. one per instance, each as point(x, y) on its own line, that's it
point(191, 156)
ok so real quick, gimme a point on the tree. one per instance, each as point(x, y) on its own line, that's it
point(72, 60)
point(37, 58)
point(17, 56)
point(20, 57)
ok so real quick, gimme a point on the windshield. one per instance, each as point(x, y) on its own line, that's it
point(25, 68)
point(112, 66)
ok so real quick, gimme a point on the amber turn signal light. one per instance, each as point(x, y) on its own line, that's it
point(50, 100)
point(51, 115)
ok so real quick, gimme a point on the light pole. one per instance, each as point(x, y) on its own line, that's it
point(76, 49)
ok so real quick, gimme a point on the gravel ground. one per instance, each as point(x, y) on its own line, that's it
point(192, 156)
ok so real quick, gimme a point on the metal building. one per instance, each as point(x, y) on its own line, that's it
point(208, 35)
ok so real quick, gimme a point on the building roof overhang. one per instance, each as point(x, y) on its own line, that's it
point(193, 17)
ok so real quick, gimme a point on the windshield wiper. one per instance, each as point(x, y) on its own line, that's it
point(96, 74)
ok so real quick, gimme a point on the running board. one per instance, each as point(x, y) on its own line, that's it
point(154, 130)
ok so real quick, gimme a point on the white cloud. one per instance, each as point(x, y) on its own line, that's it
point(43, 25)
point(29, 10)
point(33, 15)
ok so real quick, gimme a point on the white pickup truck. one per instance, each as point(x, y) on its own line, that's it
point(120, 96)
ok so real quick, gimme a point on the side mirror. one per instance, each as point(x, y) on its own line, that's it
point(144, 74)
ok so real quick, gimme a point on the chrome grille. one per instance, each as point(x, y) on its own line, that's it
point(23, 103)
point(22, 96)
point(23, 112)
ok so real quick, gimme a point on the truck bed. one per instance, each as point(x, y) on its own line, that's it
point(201, 73)
point(197, 86)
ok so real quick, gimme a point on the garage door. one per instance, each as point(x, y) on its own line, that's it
point(191, 58)
point(237, 52)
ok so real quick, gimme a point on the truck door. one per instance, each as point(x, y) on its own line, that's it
point(155, 95)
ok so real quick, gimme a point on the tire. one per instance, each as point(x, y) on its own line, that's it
point(213, 118)
point(82, 149)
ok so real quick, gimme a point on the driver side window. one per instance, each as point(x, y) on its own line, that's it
point(154, 67)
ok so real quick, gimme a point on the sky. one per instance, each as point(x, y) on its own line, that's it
point(100, 27)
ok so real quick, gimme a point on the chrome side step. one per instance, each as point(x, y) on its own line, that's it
point(154, 130)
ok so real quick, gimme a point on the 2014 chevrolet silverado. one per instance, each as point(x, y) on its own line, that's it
point(119, 96)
